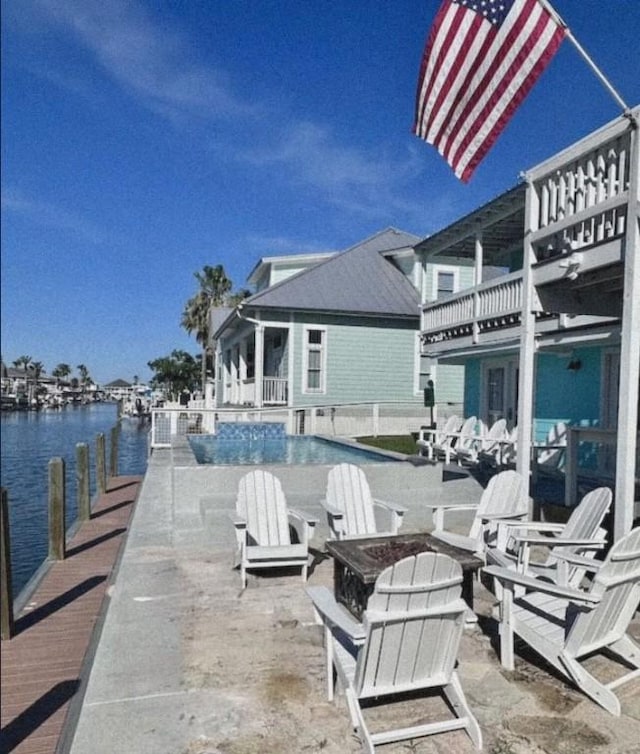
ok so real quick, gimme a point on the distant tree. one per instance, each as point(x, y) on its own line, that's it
point(84, 374)
point(135, 379)
point(61, 372)
point(22, 361)
point(214, 290)
point(175, 373)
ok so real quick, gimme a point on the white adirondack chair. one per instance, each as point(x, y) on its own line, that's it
point(487, 440)
point(570, 546)
point(466, 438)
point(549, 455)
point(408, 641)
point(262, 526)
point(350, 506)
point(501, 451)
point(564, 625)
point(505, 498)
point(434, 441)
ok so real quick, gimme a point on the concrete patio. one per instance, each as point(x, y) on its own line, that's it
point(188, 664)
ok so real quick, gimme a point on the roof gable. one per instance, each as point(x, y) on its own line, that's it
point(359, 280)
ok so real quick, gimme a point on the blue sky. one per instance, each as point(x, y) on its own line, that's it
point(142, 140)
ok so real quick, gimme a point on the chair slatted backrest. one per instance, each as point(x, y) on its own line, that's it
point(505, 495)
point(349, 492)
point(262, 503)
point(413, 623)
point(452, 424)
point(617, 583)
point(497, 431)
point(584, 521)
point(471, 430)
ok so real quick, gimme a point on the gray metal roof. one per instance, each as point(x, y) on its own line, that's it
point(359, 281)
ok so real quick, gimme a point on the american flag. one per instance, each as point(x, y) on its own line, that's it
point(480, 61)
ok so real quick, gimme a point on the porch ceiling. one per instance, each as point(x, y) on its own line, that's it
point(501, 223)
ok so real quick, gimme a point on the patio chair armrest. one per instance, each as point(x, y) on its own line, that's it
point(559, 541)
point(507, 576)
point(308, 523)
point(334, 615)
point(439, 509)
point(537, 526)
point(240, 527)
point(589, 564)
point(502, 517)
point(391, 506)
point(427, 435)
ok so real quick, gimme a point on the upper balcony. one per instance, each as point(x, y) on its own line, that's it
point(578, 205)
point(486, 313)
point(580, 201)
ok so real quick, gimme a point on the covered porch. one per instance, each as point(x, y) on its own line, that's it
point(255, 367)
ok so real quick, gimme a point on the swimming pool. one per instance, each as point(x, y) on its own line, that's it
point(209, 449)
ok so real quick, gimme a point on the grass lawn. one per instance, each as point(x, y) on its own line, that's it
point(399, 443)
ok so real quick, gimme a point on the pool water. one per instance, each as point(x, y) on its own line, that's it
point(209, 449)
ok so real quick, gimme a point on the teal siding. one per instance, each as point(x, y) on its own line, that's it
point(560, 394)
point(564, 395)
point(367, 360)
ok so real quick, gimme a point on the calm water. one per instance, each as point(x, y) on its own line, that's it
point(287, 450)
point(29, 440)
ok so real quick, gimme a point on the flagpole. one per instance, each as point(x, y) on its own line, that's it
point(586, 57)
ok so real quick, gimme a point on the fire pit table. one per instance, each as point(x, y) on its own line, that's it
point(357, 563)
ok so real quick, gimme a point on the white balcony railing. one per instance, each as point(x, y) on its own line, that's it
point(582, 193)
point(275, 391)
point(491, 305)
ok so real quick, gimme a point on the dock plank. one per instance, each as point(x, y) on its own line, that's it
point(42, 664)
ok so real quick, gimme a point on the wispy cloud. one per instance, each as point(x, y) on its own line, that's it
point(151, 61)
point(267, 245)
point(50, 216)
point(353, 178)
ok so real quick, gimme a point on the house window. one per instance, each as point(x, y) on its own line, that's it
point(315, 361)
point(445, 281)
point(251, 360)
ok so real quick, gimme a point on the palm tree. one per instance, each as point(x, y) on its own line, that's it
point(61, 371)
point(215, 287)
point(22, 361)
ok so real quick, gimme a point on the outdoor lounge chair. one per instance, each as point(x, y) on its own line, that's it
point(487, 441)
point(351, 508)
point(407, 642)
point(434, 441)
point(505, 498)
point(465, 439)
point(564, 625)
point(570, 546)
point(262, 526)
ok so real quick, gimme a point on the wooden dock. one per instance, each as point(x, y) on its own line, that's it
point(46, 663)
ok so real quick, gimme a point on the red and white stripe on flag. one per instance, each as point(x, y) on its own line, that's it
point(480, 60)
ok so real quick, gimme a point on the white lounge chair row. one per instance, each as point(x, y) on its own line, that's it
point(471, 441)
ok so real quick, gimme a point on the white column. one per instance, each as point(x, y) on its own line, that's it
point(259, 366)
point(477, 279)
point(526, 380)
point(629, 356)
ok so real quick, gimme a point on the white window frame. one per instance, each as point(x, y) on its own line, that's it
point(306, 390)
point(447, 269)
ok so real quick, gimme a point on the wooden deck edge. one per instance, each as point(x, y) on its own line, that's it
point(74, 707)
